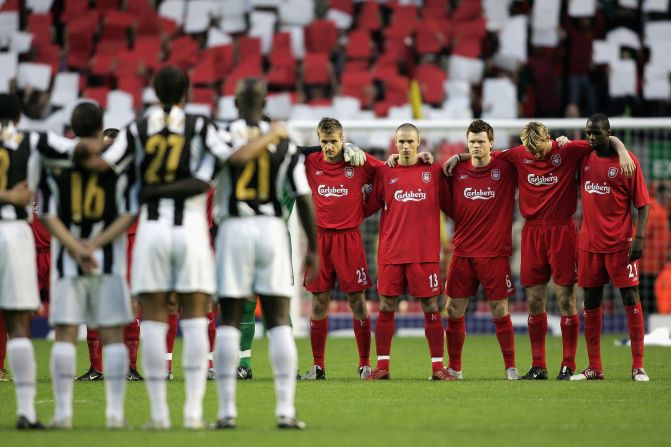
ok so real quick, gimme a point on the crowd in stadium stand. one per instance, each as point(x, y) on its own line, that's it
point(351, 59)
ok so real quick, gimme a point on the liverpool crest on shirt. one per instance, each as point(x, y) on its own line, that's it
point(349, 172)
point(426, 177)
point(555, 159)
point(612, 172)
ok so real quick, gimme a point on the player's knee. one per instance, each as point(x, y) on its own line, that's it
point(320, 304)
point(498, 308)
point(630, 296)
point(430, 305)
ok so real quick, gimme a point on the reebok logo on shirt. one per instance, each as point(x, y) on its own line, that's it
point(409, 196)
point(479, 194)
point(540, 180)
point(594, 188)
point(332, 191)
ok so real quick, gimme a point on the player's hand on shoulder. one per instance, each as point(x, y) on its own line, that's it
point(562, 141)
point(450, 164)
point(627, 165)
point(425, 157)
point(20, 195)
point(353, 154)
point(392, 160)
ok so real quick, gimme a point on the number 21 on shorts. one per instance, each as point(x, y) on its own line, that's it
point(633, 270)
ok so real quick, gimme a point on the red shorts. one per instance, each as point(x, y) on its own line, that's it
point(465, 274)
point(594, 269)
point(549, 249)
point(421, 280)
point(341, 255)
point(43, 259)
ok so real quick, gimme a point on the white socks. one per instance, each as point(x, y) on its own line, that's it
point(283, 357)
point(63, 363)
point(194, 362)
point(22, 358)
point(154, 347)
point(115, 364)
point(227, 356)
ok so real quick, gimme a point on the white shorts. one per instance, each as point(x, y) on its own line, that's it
point(173, 258)
point(97, 300)
point(18, 267)
point(253, 257)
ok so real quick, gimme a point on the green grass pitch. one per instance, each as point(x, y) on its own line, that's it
point(482, 410)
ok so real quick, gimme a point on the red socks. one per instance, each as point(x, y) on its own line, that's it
point(384, 333)
point(362, 335)
point(170, 338)
point(593, 325)
point(636, 327)
point(211, 335)
point(506, 336)
point(318, 331)
point(538, 328)
point(433, 330)
point(95, 349)
point(456, 334)
point(570, 330)
point(131, 337)
point(3, 340)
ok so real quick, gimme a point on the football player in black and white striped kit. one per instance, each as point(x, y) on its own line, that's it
point(253, 252)
point(175, 154)
point(79, 206)
point(21, 157)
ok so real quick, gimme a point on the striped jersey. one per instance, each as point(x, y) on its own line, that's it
point(256, 188)
point(167, 148)
point(87, 203)
point(22, 155)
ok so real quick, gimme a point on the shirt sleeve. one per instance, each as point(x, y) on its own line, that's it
point(297, 181)
point(122, 151)
point(47, 195)
point(53, 147)
point(217, 141)
point(507, 155)
point(638, 188)
point(445, 195)
point(307, 150)
point(579, 148)
point(375, 200)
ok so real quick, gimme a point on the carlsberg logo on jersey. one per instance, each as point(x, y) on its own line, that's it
point(479, 194)
point(332, 191)
point(409, 196)
point(539, 180)
point(593, 188)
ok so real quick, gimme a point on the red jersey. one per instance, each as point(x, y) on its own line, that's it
point(548, 187)
point(606, 203)
point(41, 235)
point(337, 190)
point(410, 220)
point(481, 203)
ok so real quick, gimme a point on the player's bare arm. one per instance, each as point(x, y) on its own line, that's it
point(114, 230)
point(638, 243)
point(79, 252)
point(627, 165)
point(19, 195)
point(251, 150)
point(181, 189)
point(306, 215)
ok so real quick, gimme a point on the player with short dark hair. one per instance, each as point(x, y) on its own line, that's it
point(337, 190)
point(409, 247)
point(21, 156)
point(480, 199)
point(84, 208)
point(253, 253)
point(609, 246)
